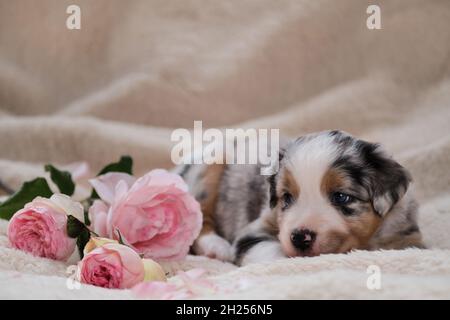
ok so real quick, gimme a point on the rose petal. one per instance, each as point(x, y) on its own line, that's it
point(105, 185)
point(69, 206)
point(160, 291)
point(78, 170)
point(98, 215)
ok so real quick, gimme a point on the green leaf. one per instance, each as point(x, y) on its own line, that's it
point(82, 239)
point(74, 226)
point(120, 237)
point(63, 179)
point(77, 229)
point(87, 221)
point(87, 203)
point(124, 165)
point(30, 190)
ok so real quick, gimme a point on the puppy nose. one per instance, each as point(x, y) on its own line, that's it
point(303, 239)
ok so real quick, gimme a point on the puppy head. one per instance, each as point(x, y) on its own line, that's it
point(332, 193)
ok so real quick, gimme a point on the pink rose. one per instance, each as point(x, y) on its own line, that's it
point(98, 214)
point(112, 266)
point(41, 227)
point(155, 214)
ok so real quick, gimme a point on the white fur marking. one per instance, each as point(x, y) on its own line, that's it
point(213, 246)
point(263, 251)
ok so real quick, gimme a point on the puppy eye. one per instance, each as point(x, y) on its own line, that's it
point(288, 200)
point(341, 199)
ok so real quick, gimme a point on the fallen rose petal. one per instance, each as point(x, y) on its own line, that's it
point(196, 283)
point(185, 285)
point(157, 290)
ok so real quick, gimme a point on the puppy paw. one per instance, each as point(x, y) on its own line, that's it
point(213, 246)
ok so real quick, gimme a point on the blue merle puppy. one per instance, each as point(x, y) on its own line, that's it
point(332, 193)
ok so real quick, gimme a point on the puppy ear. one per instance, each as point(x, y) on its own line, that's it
point(389, 180)
point(273, 181)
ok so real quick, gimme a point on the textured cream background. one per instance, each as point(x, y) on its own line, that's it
point(137, 69)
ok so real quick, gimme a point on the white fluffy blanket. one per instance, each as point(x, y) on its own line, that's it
point(139, 68)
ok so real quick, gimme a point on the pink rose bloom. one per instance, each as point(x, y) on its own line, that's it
point(41, 227)
point(154, 214)
point(112, 266)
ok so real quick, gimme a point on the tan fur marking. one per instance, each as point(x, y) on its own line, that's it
point(270, 223)
point(332, 180)
point(211, 182)
point(364, 224)
point(288, 183)
point(401, 242)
